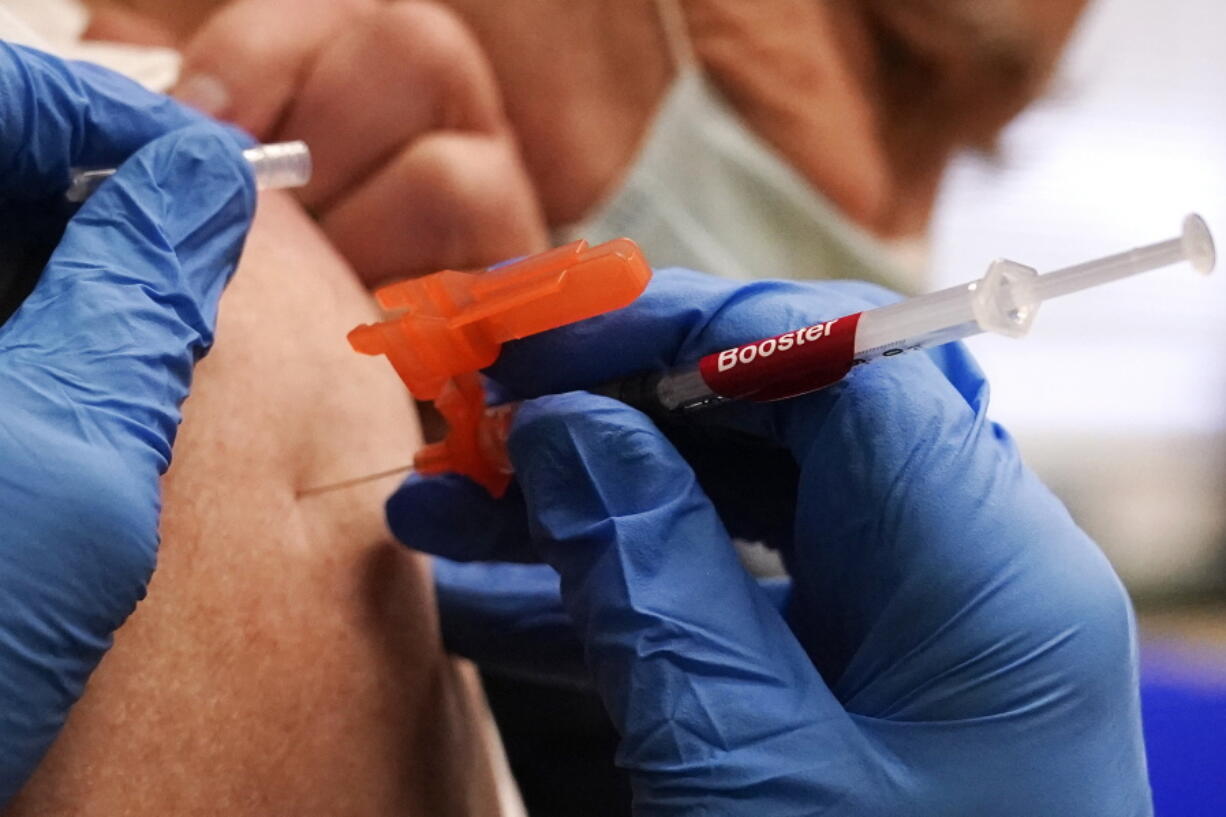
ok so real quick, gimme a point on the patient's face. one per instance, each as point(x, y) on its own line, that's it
point(287, 658)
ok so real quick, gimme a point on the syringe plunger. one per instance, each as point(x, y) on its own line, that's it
point(1006, 300)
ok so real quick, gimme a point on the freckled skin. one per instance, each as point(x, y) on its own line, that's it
point(287, 659)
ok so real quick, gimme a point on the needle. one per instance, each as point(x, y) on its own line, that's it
point(336, 486)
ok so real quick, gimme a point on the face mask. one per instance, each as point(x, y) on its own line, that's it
point(707, 193)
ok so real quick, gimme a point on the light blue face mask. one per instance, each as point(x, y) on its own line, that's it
point(707, 193)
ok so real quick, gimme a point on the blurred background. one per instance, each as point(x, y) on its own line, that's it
point(1118, 397)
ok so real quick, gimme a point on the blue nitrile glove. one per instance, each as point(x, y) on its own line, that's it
point(94, 366)
point(953, 644)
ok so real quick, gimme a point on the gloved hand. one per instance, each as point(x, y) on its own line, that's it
point(94, 365)
point(952, 643)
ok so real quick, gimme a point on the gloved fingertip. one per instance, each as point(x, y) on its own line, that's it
point(451, 516)
point(580, 458)
point(188, 188)
point(207, 155)
point(544, 420)
point(416, 508)
point(644, 336)
point(241, 137)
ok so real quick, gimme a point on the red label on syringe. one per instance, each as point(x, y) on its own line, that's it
point(786, 365)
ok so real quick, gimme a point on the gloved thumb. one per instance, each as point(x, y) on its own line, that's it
point(701, 675)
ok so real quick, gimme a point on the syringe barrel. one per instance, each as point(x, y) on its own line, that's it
point(276, 165)
point(928, 320)
point(656, 393)
point(813, 357)
point(85, 182)
point(280, 165)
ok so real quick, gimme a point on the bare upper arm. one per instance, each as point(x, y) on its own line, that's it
point(286, 659)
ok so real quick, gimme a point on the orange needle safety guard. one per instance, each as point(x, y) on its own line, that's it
point(453, 324)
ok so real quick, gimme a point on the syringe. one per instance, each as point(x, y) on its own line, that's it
point(1004, 301)
point(276, 165)
point(813, 357)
